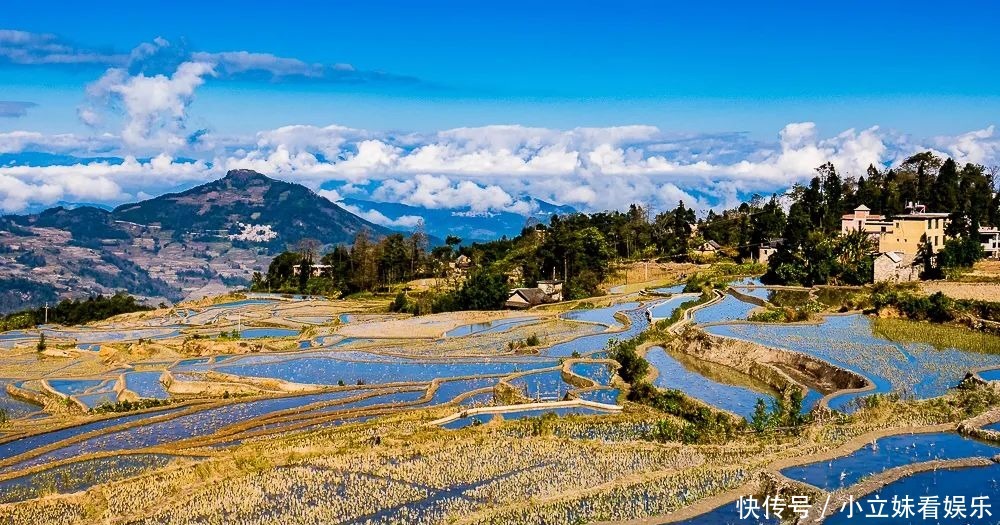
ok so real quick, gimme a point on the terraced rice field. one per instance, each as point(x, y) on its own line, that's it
point(78, 476)
point(284, 457)
point(738, 396)
point(729, 309)
point(913, 369)
point(605, 316)
point(886, 453)
point(490, 327)
point(975, 482)
point(665, 309)
point(146, 384)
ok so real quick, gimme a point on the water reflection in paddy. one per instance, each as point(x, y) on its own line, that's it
point(146, 384)
point(728, 309)
point(547, 385)
point(666, 309)
point(593, 343)
point(200, 423)
point(256, 333)
point(74, 386)
point(478, 400)
point(15, 408)
point(738, 394)
point(608, 396)
point(20, 446)
point(330, 370)
point(848, 341)
point(601, 373)
point(970, 483)
point(889, 452)
point(97, 399)
point(990, 375)
point(86, 337)
point(728, 514)
point(449, 390)
point(392, 398)
point(463, 422)
point(759, 293)
point(489, 327)
point(605, 315)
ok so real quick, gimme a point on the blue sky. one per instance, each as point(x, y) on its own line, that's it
point(920, 74)
point(740, 66)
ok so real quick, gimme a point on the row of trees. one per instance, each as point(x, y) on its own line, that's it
point(577, 248)
point(368, 265)
point(812, 250)
point(581, 248)
point(70, 312)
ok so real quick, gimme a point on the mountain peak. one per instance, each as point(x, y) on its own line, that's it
point(225, 207)
point(243, 178)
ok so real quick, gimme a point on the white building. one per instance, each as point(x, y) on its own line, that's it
point(315, 269)
point(990, 238)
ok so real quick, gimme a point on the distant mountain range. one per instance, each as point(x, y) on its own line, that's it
point(204, 240)
point(462, 222)
point(247, 199)
point(179, 245)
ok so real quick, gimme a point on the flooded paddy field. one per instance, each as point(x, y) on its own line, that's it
point(354, 376)
point(967, 483)
point(604, 316)
point(910, 369)
point(714, 384)
point(728, 514)
point(728, 309)
point(886, 453)
point(323, 412)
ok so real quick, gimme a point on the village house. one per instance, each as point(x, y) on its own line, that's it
point(708, 248)
point(896, 267)
point(990, 238)
point(767, 249)
point(863, 220)
point(315, 270)
point(904, 233)
point(545, 292)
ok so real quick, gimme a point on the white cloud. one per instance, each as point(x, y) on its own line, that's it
point(21, 186)
point(377, 217)
point(155, 106)
point(978, 147)
point(18, 141)
point(484, 169)
point(23, 47)
point(235, 62)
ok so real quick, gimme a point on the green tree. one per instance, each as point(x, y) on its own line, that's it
point(633, 367)
point(483, 291)
point(41, 342)
point(761, 419)
point(854, 257)
point(945, 192)
point(305, 272)
point(281, 270)
point(961, 252)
